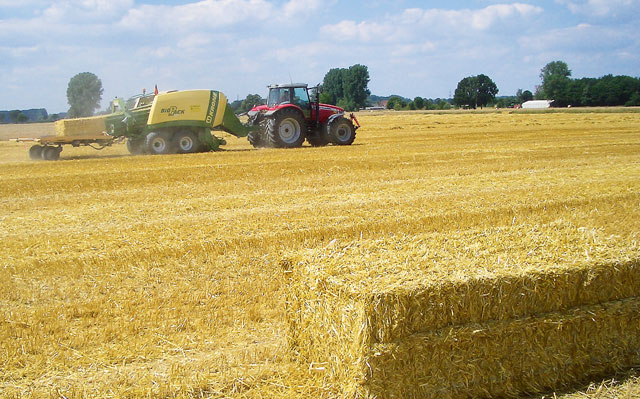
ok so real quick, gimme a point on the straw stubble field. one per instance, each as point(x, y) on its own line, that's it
point(219, 274)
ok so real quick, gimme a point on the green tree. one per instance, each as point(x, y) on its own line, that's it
point(347, 88)
point(634, 101)
point(22, 118)
point(418, 102)
point(332, 90)
point(523, 96)
point(474, 91)
point(486, 90)
point(13, 116)
point(84, 93)
point(555, 82)
point(251, 101)
point(396, 103)
point(355, 87)
point(465, 94)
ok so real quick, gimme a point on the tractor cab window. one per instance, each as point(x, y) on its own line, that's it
point(280, 96)
point(301, 97)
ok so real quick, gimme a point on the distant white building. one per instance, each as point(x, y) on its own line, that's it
point(537, 104)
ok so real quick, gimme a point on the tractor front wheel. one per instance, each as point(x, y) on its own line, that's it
point(341, 131)
point(286, 129)
point(158, 143)
point(256, 140)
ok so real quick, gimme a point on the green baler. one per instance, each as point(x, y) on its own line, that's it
point(176, 122)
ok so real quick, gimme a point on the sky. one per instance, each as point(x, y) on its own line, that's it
point(411, 48)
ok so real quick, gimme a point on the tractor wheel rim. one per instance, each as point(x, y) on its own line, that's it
point(186, 143)
point(289, 130)
point(159, 144)
point(343, 133)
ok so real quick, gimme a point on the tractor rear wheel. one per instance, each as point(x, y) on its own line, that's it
point(286, 130)
point(158, 143)
point(187, 142)
point(35, 152)
point(341, 131)
point(135, 146)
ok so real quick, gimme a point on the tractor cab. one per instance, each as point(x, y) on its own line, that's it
point(296, 94)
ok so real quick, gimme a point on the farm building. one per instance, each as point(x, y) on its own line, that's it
point(537, 104)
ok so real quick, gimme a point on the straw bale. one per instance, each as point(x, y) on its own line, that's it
point(507, 358)
point(80, 126)
point(347, 303)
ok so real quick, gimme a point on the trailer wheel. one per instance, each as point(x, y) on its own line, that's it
point(135, 146)
point(186, 142)
point(341, 131)
point(286, 129)
point(35, 152)
point(158, 144)
point(51, 153)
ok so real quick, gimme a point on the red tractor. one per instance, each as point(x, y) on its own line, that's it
point(293, 114)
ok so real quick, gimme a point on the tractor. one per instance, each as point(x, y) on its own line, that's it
point(293, 113)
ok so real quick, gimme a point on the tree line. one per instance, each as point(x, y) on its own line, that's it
point(348, 89)
point(608, 90)
point(398, 103)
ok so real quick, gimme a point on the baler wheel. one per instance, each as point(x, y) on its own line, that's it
point(286, 129)
point(35, 152)
point(158, 144)
point(341, 131)
point(186, 142)
point(135, 146)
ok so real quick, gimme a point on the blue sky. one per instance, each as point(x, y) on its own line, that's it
point(412, 48)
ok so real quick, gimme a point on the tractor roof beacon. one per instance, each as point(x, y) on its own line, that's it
point(293, 113)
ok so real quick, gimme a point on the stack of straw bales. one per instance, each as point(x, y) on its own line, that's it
point(81, 126)
point(479, 313)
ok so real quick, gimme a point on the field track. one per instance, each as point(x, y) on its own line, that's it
point(164, 276)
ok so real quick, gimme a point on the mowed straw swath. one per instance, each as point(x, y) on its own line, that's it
point(80, 126)
point(482, 312)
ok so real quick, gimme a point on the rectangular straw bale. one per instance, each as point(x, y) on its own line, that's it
point(347, 304)
point(506, 358)
point(80, 126)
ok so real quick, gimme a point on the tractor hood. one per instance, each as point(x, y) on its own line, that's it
point(332, 108)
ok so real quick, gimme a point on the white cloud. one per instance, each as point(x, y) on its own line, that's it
point(214, 14)
point(296, 8)
point(414, 22)
point(194, 16)
point(582, 37)
point(603, 8)
point(83, 11)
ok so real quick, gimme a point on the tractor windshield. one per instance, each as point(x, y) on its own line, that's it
point(289, 95)
point(279, 95)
